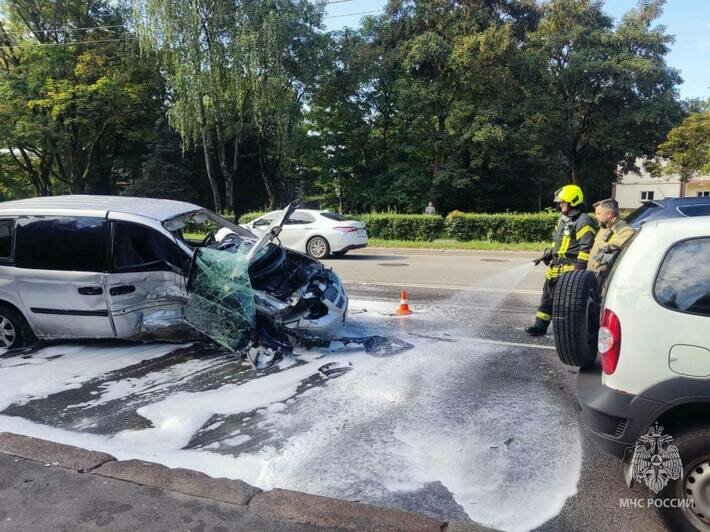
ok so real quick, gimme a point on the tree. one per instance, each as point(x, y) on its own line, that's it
point(72, 99)
point(608, 92)
point(235, 69)
point(165, 171)
point(687, 147)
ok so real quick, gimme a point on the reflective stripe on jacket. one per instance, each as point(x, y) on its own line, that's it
point(573, 239)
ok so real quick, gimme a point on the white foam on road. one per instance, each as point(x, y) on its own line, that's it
point(176, 418)
point(392, 425)
point(152, 383)
point(397, 424)
point(67, 366)
point(454, 413)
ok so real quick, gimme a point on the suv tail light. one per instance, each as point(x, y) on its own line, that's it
point(346, 229)
point(609, 341)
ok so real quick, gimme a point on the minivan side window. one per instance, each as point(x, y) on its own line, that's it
point(140, 248)
point(683, 282)
point(7, 228)
point(64, 243)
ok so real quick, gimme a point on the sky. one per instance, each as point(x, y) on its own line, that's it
point(687, 20)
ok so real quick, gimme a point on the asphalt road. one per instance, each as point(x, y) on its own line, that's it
point(483, 282)
point(476, 421)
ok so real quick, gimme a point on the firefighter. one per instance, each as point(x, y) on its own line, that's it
point(573, 239)
point(614, 232)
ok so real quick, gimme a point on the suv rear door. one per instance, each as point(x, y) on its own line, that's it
point(60, 263)
point(147, 279)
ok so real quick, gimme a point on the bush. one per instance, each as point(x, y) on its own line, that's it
point(390, 226)
point(501, 227)
point(250, 216)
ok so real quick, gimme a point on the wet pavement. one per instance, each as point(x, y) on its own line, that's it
point(476, 421)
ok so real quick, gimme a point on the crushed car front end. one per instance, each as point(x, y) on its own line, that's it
point(244, 289)
point(298, 295)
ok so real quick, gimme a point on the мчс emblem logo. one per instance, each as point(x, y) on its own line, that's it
point(656, 460)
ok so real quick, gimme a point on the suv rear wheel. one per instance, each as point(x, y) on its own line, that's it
point(14, 329)
point(575, 318)
point(694, 485)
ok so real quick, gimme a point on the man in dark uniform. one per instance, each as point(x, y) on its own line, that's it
point(572, 242)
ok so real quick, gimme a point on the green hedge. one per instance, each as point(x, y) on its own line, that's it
point(501, 227)
point(250, 216)
point(391, 226)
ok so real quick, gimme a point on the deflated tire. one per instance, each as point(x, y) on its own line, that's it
point(575, 318)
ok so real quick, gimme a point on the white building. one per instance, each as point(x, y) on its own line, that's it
point(639, 185)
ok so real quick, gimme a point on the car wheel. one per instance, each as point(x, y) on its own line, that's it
point(575, 318)
point(318, 247)
point(694, 484)
point(14, 329)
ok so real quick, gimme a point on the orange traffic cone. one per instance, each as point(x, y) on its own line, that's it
point(403, 309)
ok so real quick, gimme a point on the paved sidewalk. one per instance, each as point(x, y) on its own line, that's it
point(50, 486)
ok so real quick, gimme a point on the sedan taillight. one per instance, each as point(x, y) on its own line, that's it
point(346, 229)
point(609, 341)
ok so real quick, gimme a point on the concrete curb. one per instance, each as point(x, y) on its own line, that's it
point(325, 512)
point(51, 453)
point(181, 480)
point(278, 504)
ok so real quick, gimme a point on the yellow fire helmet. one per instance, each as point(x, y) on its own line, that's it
point(571, 194)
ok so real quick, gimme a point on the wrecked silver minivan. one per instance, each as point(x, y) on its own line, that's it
point(143, 269)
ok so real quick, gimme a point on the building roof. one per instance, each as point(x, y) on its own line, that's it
point(157, 209)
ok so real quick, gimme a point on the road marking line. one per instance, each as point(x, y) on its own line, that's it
point(446, 287)
point(513, 344)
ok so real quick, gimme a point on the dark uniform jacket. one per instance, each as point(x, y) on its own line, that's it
point(572, 242)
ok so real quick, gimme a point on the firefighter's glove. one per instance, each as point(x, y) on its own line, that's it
point(546, 257)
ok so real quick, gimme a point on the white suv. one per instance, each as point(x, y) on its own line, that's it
point(654, 355)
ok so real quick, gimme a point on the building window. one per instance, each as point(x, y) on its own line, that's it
point(704, 194)
point(647, 195)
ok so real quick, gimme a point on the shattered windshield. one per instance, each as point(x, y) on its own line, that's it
point(221, 301)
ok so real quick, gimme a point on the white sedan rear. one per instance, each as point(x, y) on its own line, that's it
point(317, 233)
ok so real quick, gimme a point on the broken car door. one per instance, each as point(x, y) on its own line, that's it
point(147, 283)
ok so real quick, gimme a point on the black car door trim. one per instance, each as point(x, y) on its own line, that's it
point(69, 312)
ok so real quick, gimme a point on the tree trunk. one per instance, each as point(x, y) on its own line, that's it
point(341, 195)
point(27, 166)
point(204, 129)
point(269, 182)
point(229, 186)
point(574, 164)
point(439, 149)
point(227, 176)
